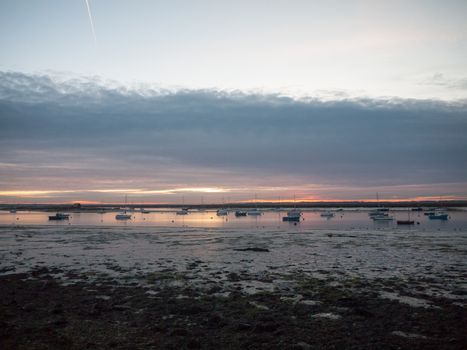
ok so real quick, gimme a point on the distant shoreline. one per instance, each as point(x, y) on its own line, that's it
point(266, 205)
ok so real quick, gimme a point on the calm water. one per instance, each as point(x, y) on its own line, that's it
point(349, 219)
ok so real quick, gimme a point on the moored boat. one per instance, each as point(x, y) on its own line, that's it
point(222, 212)
point(383, 209)
point(59, 216)
point(438, 216)
point(183, 211)
point(293, 215)
point(123, 216)
point(382, 218)
point(277, 210)
point(254, 212)
point(405, 222)
point(378, 212)
point(240, 213)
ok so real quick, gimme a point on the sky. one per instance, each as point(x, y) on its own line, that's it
point(215, 101)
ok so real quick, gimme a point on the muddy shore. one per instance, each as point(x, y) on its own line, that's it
point(197, 288)
point(37, 311)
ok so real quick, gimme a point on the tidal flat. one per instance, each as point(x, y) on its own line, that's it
point(231, 288)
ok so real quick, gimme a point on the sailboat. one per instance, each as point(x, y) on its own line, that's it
point(406, 222)
point(293, 215)
point(202, 208)
point(278, 209)
point(183, 211)
point(438, 215)
point(222, 211)
point(59, 216)
point(382, 218)
point(123, 215)
point(254, 211)
point(13, 210)
point(380, 214)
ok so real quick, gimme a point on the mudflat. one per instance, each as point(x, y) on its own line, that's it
point(102, 288)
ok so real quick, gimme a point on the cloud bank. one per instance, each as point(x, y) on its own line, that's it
point(83, 135)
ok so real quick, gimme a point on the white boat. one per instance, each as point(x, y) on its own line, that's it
point(438, 215)
point(327, 214)
point(183, 211)
point(254, 212)
point(123, 215)
point(144, 211)
point(382, 218)
point(201, 208)
point(13, 210)
point(222, 212)
point(378, 212)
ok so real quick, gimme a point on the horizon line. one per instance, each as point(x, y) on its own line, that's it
point(246, 202)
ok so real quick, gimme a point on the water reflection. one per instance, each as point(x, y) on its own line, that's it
point(352, 219)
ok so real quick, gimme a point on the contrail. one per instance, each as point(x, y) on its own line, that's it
point(92, 23)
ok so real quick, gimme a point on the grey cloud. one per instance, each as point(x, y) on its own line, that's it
point(440, 79)
point(139, 133)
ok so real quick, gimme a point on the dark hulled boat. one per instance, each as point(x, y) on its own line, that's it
point(405, 222)
point(59, 216)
